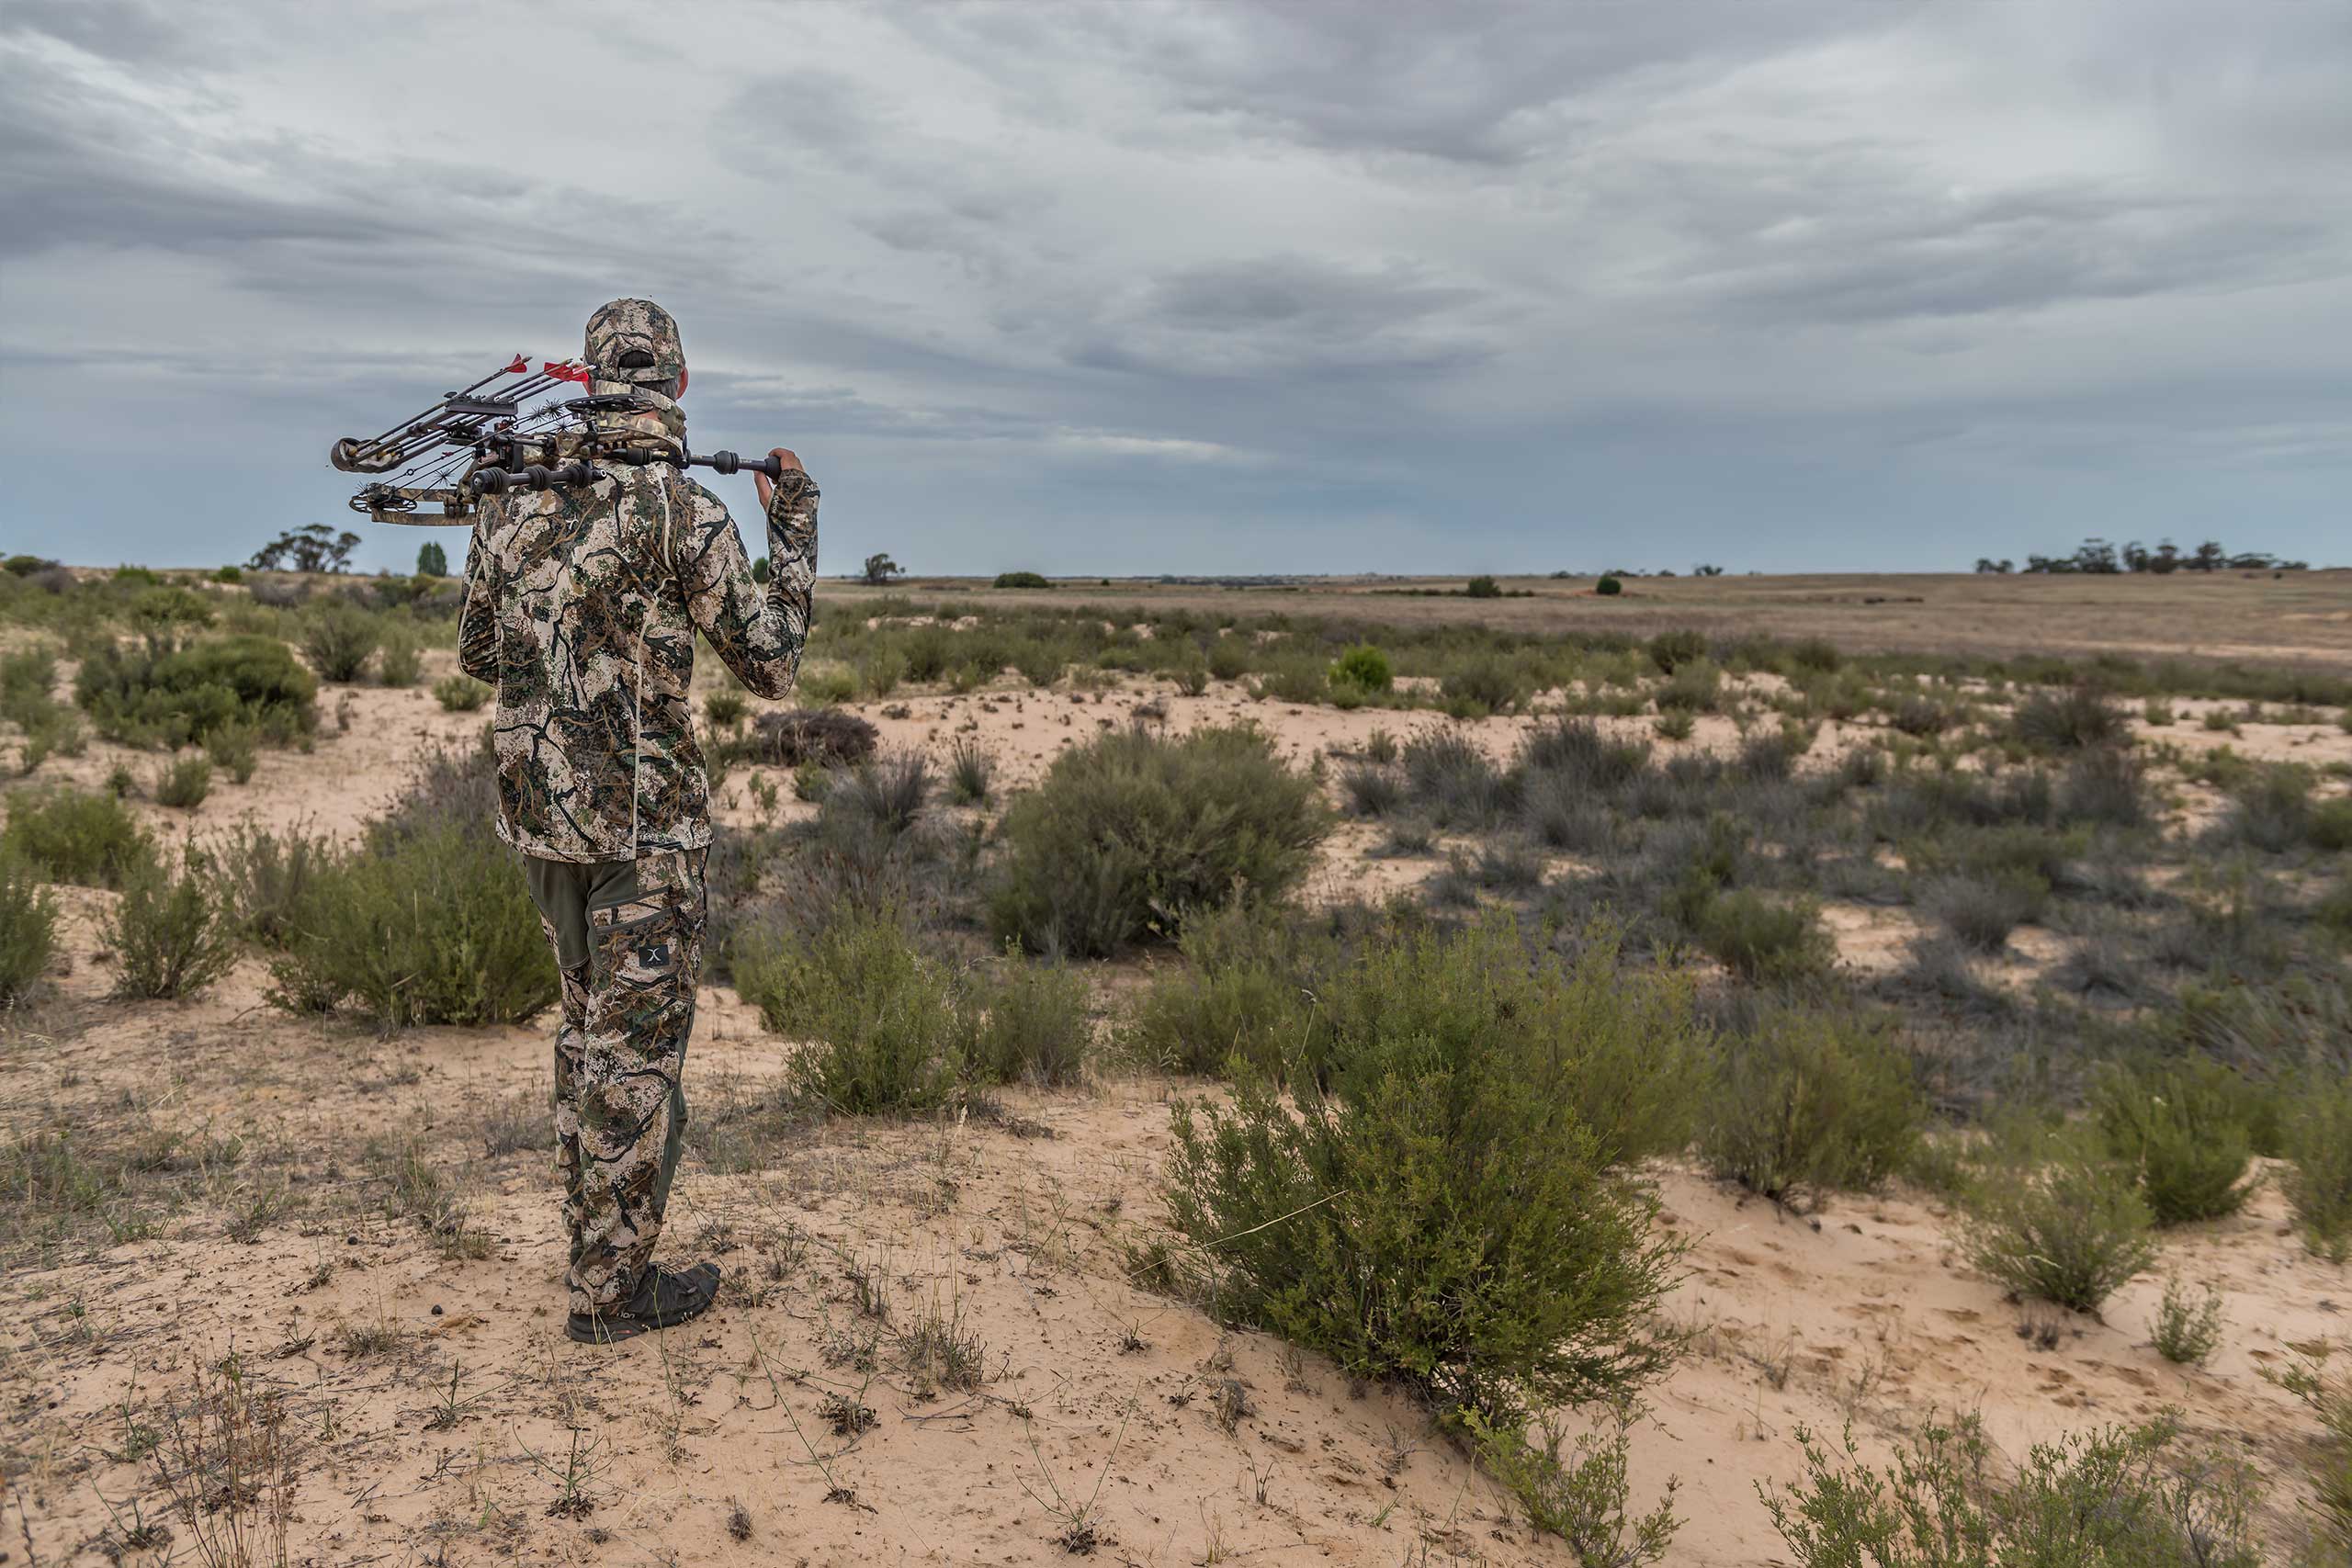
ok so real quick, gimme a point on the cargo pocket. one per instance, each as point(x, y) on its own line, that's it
point(639, 942)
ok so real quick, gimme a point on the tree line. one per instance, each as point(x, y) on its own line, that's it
point(2098, 557)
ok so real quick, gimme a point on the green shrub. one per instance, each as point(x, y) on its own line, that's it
point(181, 698)
point(2104, 785)
point(1363, 666)
point(1486, 683)
point(1762, 939)
point(27, 927)
point(2187, 1332)
point(1581, 1499)
point(1694, 687)
point(184, 784)
point(1675, 725)
point(463, 693)
point(2318, 1176)
point(2115, 1497)
point(337, 638)
point(170, 934)
point(1449, 775)
point(1239, 997)
point(235, 749)
point(971, 771)
point(88, 840)
point(2068, 718)
point(1021, 579)
point(401, 662)
point(1482, 587)
point(1230, 657)
point(264, 877)
point(1671, 650)
point(2177, 1127)
point(1816, 656)
point(1811, 1101)
point(1036, 1029)
point(884, 1029)
point(1981, 911)
point(1129, 833)
point(1190, 674)
point(1445, 1214)
point(1608, 588)
point(725, 708)
point(2071, 1233)
point(2272, 810)
point(2331, 823)
point(429, 921)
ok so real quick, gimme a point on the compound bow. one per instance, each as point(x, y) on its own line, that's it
point(500, 435)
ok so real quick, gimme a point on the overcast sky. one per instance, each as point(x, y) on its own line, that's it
point(1128, 288)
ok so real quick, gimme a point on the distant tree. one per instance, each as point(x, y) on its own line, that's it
point(1987, 564)
point(431, 560)
point(2096, 555)
point(314, 546)
point(759, 570)
point(1608, 588)
point(1022, 580)
point(1483, 587)
point(2252, 561)
point(2136, 556)
point(2208, 556)
point(2167, 558)
point(880, 568)
point(1705, 570)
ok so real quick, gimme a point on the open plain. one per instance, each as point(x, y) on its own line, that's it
point(2043, 858)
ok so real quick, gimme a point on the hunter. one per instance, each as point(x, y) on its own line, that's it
point(582, 606)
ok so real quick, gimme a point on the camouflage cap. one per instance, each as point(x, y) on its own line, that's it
point(634, 342)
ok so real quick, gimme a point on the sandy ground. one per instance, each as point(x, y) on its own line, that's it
point(1195, 1446)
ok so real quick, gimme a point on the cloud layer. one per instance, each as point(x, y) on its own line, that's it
point(1216, 286)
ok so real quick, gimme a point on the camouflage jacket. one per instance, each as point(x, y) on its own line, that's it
point(581, 607)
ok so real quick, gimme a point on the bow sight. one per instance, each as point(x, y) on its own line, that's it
point(499, 436)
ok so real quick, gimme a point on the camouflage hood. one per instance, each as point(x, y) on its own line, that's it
point(632, 346)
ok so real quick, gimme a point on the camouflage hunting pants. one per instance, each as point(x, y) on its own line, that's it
point(627, 936)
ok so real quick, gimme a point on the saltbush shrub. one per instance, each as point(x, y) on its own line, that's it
point(2177, 1126)
point(1763, 939)
point(1671, 650)
point(91, 840)
point(2318, 1176)
point(235, 749)
point(1695, 687)
point(725, 707)
point(264, 875)
point(182, 698)
point(2068, 718)
point(2116, 1496)
point(1364, 667)
point(2071, 1233)
point(182, 785)
point(786, 737)
point(1445, 1214)
point(461, 693)
point(27, 927)
point(881, 1018)
point(171, 934)
point(337, 638)
point(427, 921)
point(1608, 588)
point(1133, 832)
point(400, 662)
point(1449, 775)
point(1036, 1028)
point(1981, 911)
point(2104, 785)
point(1240, 997)
point(1809, 1102)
